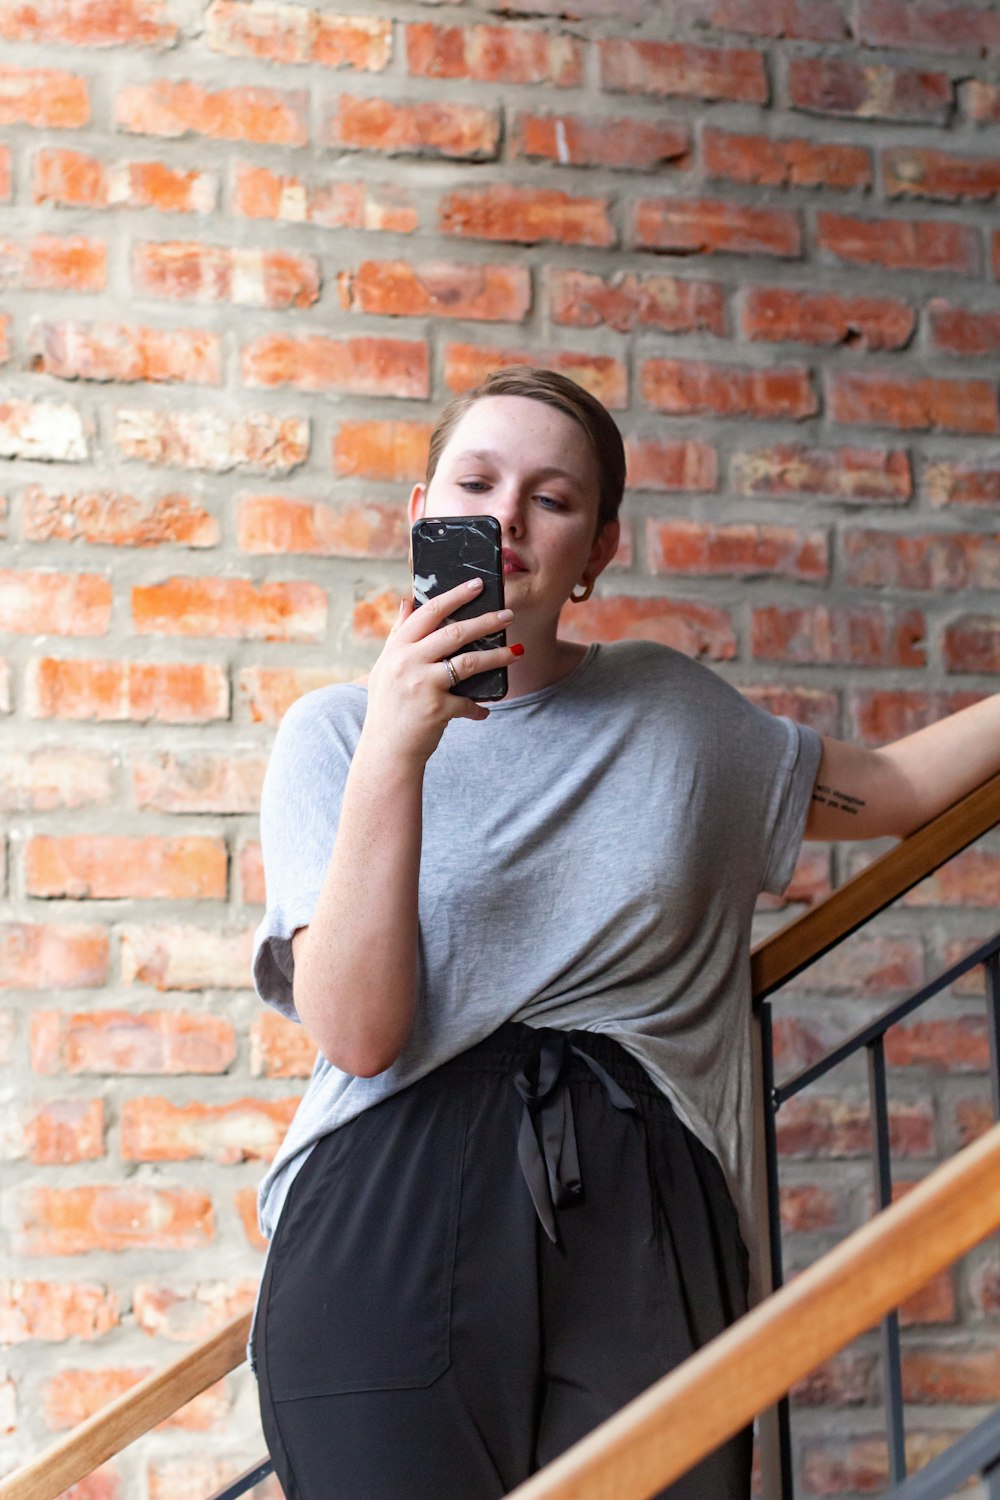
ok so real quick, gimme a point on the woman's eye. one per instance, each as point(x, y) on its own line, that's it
point(551, 502)
point(474, 486)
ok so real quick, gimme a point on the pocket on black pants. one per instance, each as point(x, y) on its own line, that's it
point(361, 1268)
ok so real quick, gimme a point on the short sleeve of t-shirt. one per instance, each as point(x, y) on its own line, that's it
point(299, 813)
point(792, 777)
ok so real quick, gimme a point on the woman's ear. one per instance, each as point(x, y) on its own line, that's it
point(604, 548)
point(415, 505)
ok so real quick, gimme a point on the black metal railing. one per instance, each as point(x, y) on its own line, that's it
point(246, 1481)
point(974, 1456)
point(872, 1038)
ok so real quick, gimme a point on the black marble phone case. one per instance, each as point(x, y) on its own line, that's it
point(446, 551)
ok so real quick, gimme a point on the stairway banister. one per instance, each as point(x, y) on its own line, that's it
point(774, 960)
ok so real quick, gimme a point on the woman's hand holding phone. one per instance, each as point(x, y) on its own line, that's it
point(410, 701)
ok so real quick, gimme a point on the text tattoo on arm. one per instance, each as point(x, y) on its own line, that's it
point(827, 796)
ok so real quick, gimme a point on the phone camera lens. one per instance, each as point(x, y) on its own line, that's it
point(440, 531)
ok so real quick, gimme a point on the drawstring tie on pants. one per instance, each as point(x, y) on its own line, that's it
point(546, 1143)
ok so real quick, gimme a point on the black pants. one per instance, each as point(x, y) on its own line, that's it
point(421, 1336)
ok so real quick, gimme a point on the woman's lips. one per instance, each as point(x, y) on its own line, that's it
point(512, 563)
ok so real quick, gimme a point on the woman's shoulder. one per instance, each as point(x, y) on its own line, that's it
point(334, 710)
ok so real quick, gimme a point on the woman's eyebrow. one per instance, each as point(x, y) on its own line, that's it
point(490, 455)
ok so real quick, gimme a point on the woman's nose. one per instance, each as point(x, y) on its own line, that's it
point(509, 511)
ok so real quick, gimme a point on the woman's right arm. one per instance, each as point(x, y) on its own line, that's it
point(356, 963)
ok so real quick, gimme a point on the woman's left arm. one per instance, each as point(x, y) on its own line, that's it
point(864, 794)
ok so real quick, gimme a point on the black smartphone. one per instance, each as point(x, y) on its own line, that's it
point(446, 551)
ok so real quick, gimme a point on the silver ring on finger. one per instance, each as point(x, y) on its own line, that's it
point(453, 675)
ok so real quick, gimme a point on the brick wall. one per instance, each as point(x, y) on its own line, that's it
point(246, 250)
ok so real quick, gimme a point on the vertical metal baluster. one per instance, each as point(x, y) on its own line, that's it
point(992, 1478)
point(992, 967)
point(891, 1375)
point(774, 1225)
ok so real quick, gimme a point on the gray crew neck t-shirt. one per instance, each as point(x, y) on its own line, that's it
point(591, 858)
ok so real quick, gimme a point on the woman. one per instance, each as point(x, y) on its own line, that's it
point(519, 938)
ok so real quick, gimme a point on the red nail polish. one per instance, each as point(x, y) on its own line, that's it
point(518, 650)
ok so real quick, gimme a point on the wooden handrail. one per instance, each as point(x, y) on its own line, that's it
point(129, 1416)
point(786, 953)
point(775, 960)
point(715, 1393)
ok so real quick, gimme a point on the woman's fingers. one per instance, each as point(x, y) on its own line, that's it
point(470, 663)
point(435, 611)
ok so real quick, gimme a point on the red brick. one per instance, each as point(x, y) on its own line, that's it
point(44, 430)
point(74, 1395)
point(245, 1200)
point(111, 518)
point(36, 956)
point(48, 777)
point(696, 387)
point(241, 1130)
point(494, 54)
point(279, 1048)
point(261, 443)
point(44, 98)
point(54, 1311)
point(671, 464)
point(382, 450)
point(885, 714)
point(5, 174)
point(900, 244)
point(848, 1379)
point(969, 1376)
point(72, 179)
point(251, 862)
point(859, 1465)
point(960, 1046)
point(55, 603)
point(981, 101)
point(189, 1314)
point(578, 141)
point(187, 958)
point(54, 263)
point(930, 560)
point(624, 302)
point(443, 289)
point(934, 25)
point(103, 867)
point(79, 1220)
point(968, 879)
point(962, 482)
point(826, 1126)
point(88, 23)
point(216, 273)
point(198, 782)
point(912, 402)
point(741, 551)
point(231, 607)
point(865, 637)
point(711, 226)
point(115, 351)
point(168, 692)
point(961, 330)
point(764, 161)
point(810, 20)
point(526, 216)
point(270, 691)
point(62, 1131)
point(877, 964)
point(464, 132)
point(696, 629)
point(279, 524)
point(973, 1117)
point(677, 68)
point(296, 34)
point(868, 91)
point(922, 172)
point(806, 1208)
point(374, 615)
point(261, 194)
point(465, 365)
point(972, 644)
point(814, 706)
point(173, 108)
point(122, 1041)
point(777, 314)
point(359, 366)
point(173, 1477)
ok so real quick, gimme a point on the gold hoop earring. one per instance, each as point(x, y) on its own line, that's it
point(588, 589)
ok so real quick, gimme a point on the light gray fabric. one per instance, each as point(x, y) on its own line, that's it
point(591, 858)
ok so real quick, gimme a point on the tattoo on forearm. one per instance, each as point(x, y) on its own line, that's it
point(839, 801)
